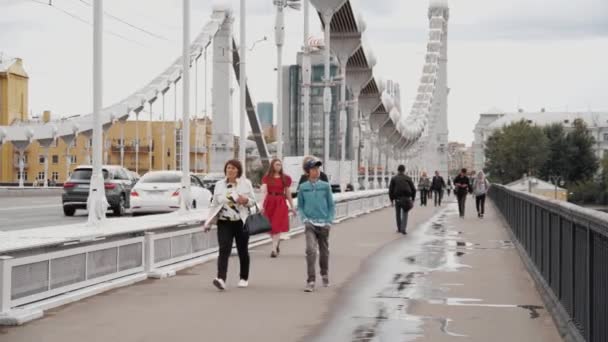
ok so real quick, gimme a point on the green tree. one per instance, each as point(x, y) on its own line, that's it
point(583, 163)
point(559, 160)
point(604, 174)
point(514, 150)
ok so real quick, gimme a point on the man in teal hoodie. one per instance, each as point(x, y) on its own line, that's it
point(317, 210)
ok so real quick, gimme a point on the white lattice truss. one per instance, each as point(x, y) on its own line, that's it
point(380, 102)
point(22, 134)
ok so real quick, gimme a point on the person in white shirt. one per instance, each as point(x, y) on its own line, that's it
point(232, 199)
point(480, 189)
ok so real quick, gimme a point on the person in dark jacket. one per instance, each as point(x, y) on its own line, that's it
point(402, 194)
point(424, 185)
point(462, 186)
point(437, 186)
point(449, 187)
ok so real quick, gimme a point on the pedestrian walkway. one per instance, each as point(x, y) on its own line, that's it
point(452, 279)
point(447, 278)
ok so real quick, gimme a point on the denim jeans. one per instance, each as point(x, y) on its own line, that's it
point(317, 238)
point(402, 212)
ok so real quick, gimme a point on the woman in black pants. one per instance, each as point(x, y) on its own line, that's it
point(462, 186)
point(232, 198)
point(480, 189)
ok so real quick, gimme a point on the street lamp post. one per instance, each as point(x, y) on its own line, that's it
point(97, 203)
point(556, 180)
point(306, 78)
point(185, 186)
point(243, 85)
point(279, 35)
point(137, 141)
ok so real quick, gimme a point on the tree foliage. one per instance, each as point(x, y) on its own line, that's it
point(558, 163)
point(514, 150)
point(583, 163)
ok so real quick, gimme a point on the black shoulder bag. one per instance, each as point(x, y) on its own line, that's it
point(257, 223)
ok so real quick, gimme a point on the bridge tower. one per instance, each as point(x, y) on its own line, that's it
point(435, 153)
point(222, 142)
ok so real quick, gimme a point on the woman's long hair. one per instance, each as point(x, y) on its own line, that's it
point(270, 173)
point(480, 176)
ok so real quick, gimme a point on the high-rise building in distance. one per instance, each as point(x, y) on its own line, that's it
point(293, 110)
point(266, 114)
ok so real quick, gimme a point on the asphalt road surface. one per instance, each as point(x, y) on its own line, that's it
point(35, 212)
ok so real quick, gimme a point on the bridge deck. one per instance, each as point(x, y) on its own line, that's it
point(448, 277)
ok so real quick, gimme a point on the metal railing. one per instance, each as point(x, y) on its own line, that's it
point(36, 271)
point(566, 250)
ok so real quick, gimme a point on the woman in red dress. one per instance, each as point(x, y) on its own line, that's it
point(276, 185)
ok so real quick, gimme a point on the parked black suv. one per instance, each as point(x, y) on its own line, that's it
point(118, 184)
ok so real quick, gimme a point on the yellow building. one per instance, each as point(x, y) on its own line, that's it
point(13, 106)
point(539, 187)
point(63, 159)
point(160, 158)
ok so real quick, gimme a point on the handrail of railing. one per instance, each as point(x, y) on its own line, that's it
point(565, 248)
point(15, 241)
point(46, 267)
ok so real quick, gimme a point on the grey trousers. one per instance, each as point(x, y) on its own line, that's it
point(317, 238)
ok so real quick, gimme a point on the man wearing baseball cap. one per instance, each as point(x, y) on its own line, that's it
point(317, 210)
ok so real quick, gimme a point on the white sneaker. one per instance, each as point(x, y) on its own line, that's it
point(243, 283)
point(326, 281)
point(219, 283)
point(310, 287)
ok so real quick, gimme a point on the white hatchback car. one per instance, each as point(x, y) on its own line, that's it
point(158, 192)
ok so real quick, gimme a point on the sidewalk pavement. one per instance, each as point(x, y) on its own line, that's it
point(188, 308)
point(450, 279)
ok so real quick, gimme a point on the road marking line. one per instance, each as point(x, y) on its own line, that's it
point(32, 207)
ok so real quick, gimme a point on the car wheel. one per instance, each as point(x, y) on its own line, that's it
point(69, 211)
point(120, 209)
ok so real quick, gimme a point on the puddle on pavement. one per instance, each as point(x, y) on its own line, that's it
point(377, 306)
point(533, 310)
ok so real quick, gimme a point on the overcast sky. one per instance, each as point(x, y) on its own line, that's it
point(512, 54)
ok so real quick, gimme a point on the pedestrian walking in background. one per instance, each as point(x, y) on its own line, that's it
point(449, 187)
point(424, 184)
point(276, 187)
point(402, 194)
point(437, 186)
point(232, 199)
point(480, 189)
point(462, 187)
point(317, 210)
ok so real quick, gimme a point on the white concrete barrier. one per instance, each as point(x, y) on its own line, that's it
point(11, 191)
point(47, 267)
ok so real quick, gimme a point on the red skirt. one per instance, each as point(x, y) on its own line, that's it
point(277, 212)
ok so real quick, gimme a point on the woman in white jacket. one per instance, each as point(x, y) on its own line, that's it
point(232, 199)
point(480, 189)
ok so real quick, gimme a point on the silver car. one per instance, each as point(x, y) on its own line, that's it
point(118, 184)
